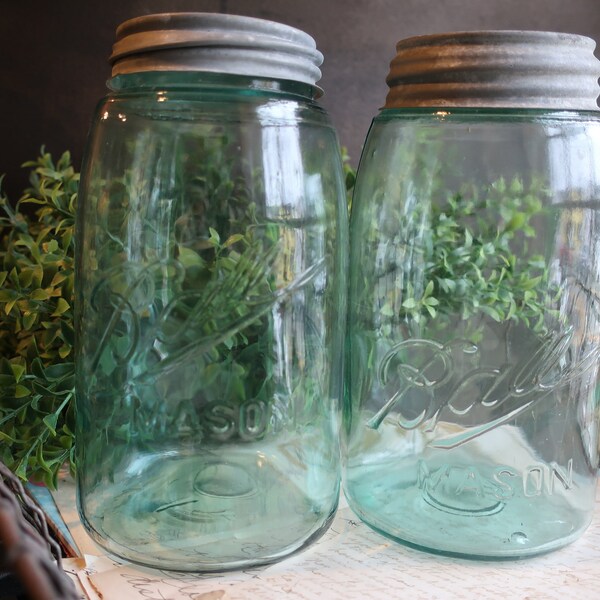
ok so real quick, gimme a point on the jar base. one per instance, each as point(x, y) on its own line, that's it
point(508, 532)
point(209, 514)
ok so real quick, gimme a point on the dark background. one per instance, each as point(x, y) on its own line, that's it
point(53, 56)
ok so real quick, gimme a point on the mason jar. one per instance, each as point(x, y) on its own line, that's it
point(210, 297)
point(474, 297)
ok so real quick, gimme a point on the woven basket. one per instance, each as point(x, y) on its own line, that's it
point(26, 548)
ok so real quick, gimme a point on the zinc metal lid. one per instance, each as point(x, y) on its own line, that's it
point(216, 43)
point(495, 69)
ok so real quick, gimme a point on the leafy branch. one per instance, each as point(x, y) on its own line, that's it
point(36, 331)
point(36, 300)
point(475, 259)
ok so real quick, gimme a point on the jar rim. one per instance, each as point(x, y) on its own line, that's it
point(217, 43)
point(495, 68)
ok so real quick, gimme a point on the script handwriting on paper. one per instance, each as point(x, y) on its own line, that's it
point(128, 583)
point(169, 589)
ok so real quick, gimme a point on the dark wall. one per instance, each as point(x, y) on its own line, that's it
point(53, 55)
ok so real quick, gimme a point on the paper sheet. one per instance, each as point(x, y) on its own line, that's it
point(352, 561)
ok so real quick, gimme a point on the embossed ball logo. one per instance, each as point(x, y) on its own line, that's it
point(425, 371)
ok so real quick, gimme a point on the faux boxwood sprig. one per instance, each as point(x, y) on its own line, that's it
point(470, 266)
point(36, 319)
point(36, 327)
point(476, 259)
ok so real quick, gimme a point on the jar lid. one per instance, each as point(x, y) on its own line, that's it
point(489, 69)
point(216, 43)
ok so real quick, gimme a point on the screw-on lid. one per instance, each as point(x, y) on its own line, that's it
point(215, 43)
point(488, 69)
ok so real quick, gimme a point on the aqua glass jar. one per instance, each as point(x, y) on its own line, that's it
point(471, 422)
point(210, 297)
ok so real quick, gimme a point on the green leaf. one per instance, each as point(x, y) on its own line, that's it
point(468, 238)
point(58, 278)
point(517, 221)
point(67, 333)
point(59, 371)
point(21, 391)
point(233, 239)
point(447, 285)
point(37, 368)
point(6, 383)
point(39, 294)
point(21, 469)
point(29, 320)
point(52, 246)
point(50, 422)
point(62, 306)
point(18, 371)
point(387, 310)
point(9, 306)
point(500, 185)
point(64, 351)
point(8, 295)
point(492, 312)
point(188, 258)
point(430, 310)
point(4, 437)
point(516, 186)
point(214, 238)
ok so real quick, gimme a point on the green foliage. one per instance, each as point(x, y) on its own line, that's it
point(475, 259)
point(207, 319)
point(36, 329)
point(471, 264)
point(228, 265)
point(349, 176)
point(36, 299)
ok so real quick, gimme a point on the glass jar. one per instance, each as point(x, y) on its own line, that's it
point(210, 297)
point(474, 297)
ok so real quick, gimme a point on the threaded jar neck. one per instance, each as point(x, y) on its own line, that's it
point(495, 69)
point(215, 43)
point(162, 82)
